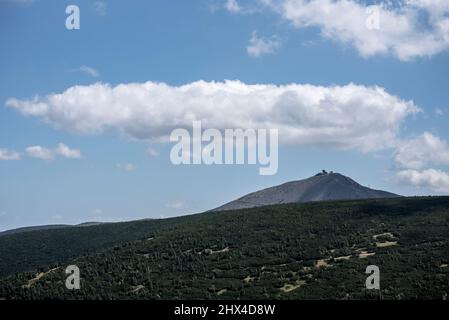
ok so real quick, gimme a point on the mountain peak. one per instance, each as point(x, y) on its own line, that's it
point(324, 186)
point(323, 173)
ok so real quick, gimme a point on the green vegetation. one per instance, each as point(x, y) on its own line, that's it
point(290, 251)
point(40, 249)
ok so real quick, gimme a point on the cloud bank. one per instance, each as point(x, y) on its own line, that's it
point(434, 179)
point(347, 117)
point(422, 151)
point(406, 29)
point(417, 157)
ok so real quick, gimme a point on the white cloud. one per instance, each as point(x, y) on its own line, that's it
point(49, 154)
point(436, 180)
point(414, 157)
point(100, 7)
point(88, 70)
point(439, 112)
point(232, 6)
point(97, 211)
point(259, 46)
point(422, 151)
point(57, 217)
point(65, 152)
point(6, 155)
point(350, 116)
point(125, 167)
point(39, 152)
point(406, 29)
point(242, 7)
point(175, 205)
point(152, 152)
point(2, 213)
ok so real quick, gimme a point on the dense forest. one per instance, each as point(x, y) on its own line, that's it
point(289, 251)
point(28, 251)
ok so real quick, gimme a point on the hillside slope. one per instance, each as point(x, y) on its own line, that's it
point(321, 187)
point(33, 228)
point(26, 251)
point(290, 251)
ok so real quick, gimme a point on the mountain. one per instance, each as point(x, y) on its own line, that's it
point(48, 227)
point(315, 250)
point(321, 187)
point(30, 250)
point(34, 228)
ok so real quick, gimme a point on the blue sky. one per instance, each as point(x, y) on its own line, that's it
point(74, 175)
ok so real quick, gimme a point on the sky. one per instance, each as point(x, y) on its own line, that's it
point(360, 88)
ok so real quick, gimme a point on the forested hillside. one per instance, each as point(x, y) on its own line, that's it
point(30, 250)
point(291, 251)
